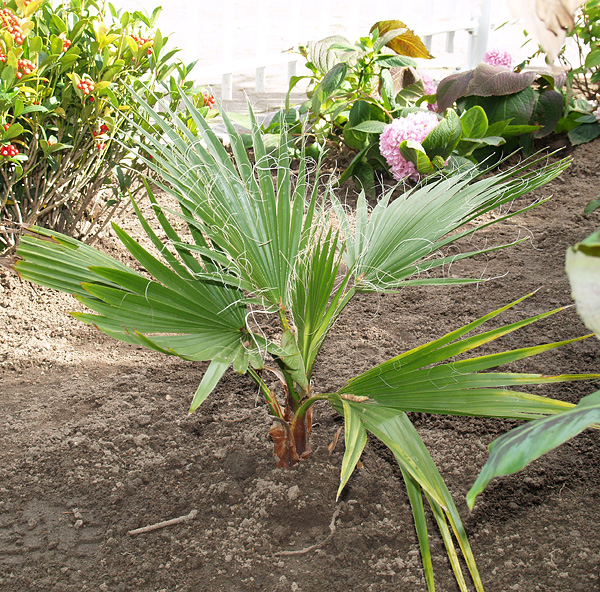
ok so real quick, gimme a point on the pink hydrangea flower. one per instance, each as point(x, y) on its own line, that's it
point(596, 113)
point(415, 126)
point(430, 88)
point(498, 57)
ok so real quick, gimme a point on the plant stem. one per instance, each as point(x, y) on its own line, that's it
point(267, 394)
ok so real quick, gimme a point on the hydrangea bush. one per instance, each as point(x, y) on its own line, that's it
point(65, 126)
point(498, 57)
point(416, 127)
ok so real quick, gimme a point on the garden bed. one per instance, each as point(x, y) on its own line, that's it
point(96, 441)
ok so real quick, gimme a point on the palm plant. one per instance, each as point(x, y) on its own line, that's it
point(262, 246)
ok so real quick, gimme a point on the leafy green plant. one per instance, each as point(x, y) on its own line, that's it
point(267, 270)
point(63, 70)
point(355, 89)
point(586, 34)
point(518, 106)
point(580, 93)
point(452, 144)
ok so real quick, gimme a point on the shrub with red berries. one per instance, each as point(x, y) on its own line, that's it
point(209, 100)
point(66, 43)
point(86, 86)
point(141, 41)
point(8, 150)
point(65, 67)
point(24, 67)
point(10, 22)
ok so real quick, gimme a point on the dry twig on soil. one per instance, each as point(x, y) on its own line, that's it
point(165, 523)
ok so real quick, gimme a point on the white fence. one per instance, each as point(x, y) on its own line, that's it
point(232, 37)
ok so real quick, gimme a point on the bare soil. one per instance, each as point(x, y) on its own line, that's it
point(95, 440)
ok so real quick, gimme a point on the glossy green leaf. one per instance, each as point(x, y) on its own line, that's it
point(415, 153)
point(592, 60)
point(513, 451)
point(548, 111)
point(370, 127)
point(444, 137)
point(321, 54)
point(592, 206)
point(474, 122)
point(584, 133)
point(332, 80)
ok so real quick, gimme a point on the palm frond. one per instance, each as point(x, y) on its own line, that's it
point(426, 379)
point(395, 430)
point(398, 238)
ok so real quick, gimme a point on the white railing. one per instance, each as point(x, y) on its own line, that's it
point(233, 37)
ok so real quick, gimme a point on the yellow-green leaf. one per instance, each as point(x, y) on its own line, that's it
point(32, 7)
point(407, 44)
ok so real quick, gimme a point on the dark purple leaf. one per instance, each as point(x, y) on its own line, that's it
point(490, 81)
point(452, 88)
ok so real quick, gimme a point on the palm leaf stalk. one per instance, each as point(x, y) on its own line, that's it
point(262, 244)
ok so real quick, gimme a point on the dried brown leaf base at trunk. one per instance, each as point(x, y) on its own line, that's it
point(291, 441)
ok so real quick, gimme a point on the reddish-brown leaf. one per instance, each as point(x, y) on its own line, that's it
point(284, 445)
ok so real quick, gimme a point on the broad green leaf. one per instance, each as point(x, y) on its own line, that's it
point(486, 141)
point(444, 137)
point(513, 451)
point(332, 80)
point(592, 207)
point(359, 113)
point(397, 61)
point(517, 107)
point(15, 130)
point(584, 133)
point(415, 153)
point(592, 60)
point(365, 177)
point(321, 54)
point(355, 437)
point(406, 44)
point(474, 122)
point(370, 127)
point(548, 111)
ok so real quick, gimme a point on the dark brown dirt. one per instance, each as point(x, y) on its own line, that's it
point(96, 440)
